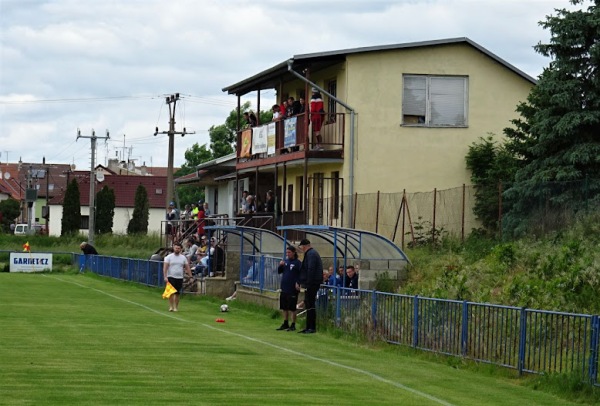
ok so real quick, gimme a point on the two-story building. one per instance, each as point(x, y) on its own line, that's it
point(395, 117)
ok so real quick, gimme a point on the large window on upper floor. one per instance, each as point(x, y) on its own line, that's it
point(435, 101)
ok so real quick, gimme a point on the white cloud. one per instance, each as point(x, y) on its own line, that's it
point(145, 49)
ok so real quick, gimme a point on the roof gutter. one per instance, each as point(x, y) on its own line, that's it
point(352, 135)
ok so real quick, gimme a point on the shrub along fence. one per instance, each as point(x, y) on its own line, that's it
point(527, 340)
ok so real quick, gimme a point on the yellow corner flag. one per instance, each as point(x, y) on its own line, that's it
point(26, 247)
point(169, 290)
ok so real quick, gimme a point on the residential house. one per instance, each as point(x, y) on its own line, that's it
point(396, 117)
point(44, 179)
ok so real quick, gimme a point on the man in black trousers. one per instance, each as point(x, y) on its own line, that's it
point(311, 277)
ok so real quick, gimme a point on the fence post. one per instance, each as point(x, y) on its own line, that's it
point(377, 215)
point(374, 310)
point(593, 362)
point(261, 274)
point(434, 210)
point(338, 304)
point(500, 208)
point(462, 221)
point(465, 328)
point(522, 340)
point(416, 321)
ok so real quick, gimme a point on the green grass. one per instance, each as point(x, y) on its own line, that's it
point(142, 246)
point(82, 339)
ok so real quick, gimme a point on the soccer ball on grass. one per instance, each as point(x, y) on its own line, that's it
point(224, 308)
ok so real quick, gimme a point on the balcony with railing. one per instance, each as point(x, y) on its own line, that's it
point(290, 139)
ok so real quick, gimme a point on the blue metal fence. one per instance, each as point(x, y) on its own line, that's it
point(527, 340)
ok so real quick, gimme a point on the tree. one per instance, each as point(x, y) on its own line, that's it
point(141, 212)
point(9, 210)
point(223, 138)
point(71, 214)
point(556, 137)
point(491, 164)
point(105, 210)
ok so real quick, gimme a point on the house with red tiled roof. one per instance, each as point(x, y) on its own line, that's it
point(125, 188)
point(49, 180)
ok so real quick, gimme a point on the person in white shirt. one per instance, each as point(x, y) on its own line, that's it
point(173, 269)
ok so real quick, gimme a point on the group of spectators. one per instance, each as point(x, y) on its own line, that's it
point(250, 204)
point(291, 107)
point(347, 278)
point(189, 222)
point(203, 258)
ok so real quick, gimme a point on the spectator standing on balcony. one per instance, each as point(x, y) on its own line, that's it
point(194, 213)
point(251, 119)
point(276, 112)
point(289, 109)
point(311, 276)
point(316, 117)
point(302, 105)
point(283, 109)
point(288, 298)
point(173, 269)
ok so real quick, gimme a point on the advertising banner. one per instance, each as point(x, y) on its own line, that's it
point(289, 139)
point(246, 144)
point(271, 139)
point(28, 262)
point(259, 140)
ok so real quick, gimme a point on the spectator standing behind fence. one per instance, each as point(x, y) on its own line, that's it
point(173, 269)
point(88, 249)
point(270, 203)
point(311, 276)
point(251, 120)
point(207, 211)
point(351, 278)
point(288, 298)
point(243, 202)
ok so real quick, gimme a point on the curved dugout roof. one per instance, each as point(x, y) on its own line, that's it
point(349, 243)
point(250, 239)
point(328, 241)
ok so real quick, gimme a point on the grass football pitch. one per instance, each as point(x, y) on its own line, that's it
point(69, 339)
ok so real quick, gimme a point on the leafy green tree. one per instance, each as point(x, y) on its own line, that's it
point(556, 137)
point(10, 210)
point(491, 165)
point(105, 210)
point(141, 212)
point(223, 139)
point(71, 214)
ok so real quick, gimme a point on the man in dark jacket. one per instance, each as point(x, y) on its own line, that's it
point(311, 276)
point(88, 249)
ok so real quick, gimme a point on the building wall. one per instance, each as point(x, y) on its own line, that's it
point(391, 157)
point(120, 220)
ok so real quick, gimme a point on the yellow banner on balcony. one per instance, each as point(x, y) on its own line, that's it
point(246, 149)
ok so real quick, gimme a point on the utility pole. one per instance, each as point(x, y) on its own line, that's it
point(171, 100)
point(47, 213)
point(92, 182)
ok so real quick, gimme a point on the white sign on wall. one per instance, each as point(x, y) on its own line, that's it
point(28, 262)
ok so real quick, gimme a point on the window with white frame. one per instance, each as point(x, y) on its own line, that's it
point(435, 101)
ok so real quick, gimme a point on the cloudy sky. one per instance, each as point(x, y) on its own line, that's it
point(107, 65)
